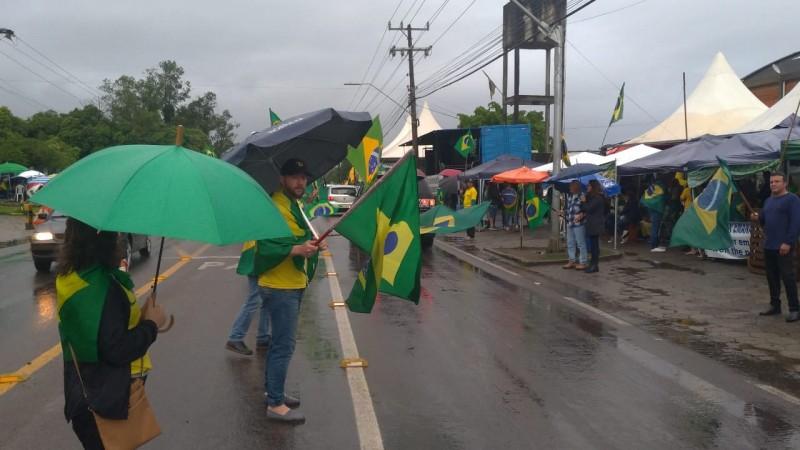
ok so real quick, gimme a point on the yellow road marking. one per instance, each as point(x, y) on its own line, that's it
point(40, 361)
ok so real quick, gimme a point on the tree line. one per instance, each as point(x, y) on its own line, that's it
point(131, 110)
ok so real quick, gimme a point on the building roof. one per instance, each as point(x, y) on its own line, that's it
point(719, 104)
point(789, 67)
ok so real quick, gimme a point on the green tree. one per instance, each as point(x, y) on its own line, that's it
point(492, 114)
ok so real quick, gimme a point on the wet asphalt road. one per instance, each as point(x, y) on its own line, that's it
point(480, 363)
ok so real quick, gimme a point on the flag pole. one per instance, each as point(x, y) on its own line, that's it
point(369, 192)
point(604, 136)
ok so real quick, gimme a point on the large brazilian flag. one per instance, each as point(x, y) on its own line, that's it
point(654, 198)
point(706, 224)
point(442, 220)
point(366, 158)
point(385, 224)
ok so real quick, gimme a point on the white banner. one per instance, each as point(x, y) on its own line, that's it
point(740, 234)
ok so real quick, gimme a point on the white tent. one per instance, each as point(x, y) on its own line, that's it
point(575, 158)
point(631, 154)
point(427, 123)
point(773, 116)
point(720, 103)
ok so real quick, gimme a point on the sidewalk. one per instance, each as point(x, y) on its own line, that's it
point(12, 231)
point(709, 305)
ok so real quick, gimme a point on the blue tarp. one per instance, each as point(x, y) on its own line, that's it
point(610, 188)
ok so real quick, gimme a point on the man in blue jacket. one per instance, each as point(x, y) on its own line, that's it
point(780, 218)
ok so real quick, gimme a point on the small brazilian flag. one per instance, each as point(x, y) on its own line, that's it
point(385, 224)
point(366, 158)
point(273, 118)
point(535, 208)
point(465, 144)
point(654, 198)
point(321, 209)
point(706, 224)
point(616, 116)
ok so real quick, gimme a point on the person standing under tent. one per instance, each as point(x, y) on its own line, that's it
point(595, 210)
point(576, 227)
point(780, 218)
point(470, 197)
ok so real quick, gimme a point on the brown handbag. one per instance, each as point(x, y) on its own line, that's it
point(138, 429)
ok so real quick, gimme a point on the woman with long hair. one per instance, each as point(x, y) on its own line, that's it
point(595, 210)
point(104, 334)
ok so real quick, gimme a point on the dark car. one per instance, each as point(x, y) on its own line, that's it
point(427, 200)
point(49, 236)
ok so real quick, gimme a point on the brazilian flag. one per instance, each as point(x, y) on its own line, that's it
point(320, 209)
point(465, 144)
point(273, 118)
point(385, 224)
point(535, 208)
point(366, 158)
point(706, 224)
point(443, 220)
point(616, 116)
point(654, 198)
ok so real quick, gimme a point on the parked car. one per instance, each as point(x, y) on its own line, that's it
point(342, 196)
point(48, 237)
point(427, 200)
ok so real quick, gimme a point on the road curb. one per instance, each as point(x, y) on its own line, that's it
point(13, 242)
point(612, 254)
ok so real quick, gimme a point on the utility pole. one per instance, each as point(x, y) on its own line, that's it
point(557, 33)
point(412, 88)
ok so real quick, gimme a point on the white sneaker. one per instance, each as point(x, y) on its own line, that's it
point(658, 250)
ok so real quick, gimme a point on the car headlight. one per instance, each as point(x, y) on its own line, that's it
point(44, 236)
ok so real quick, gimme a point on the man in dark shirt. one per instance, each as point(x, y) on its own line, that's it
point(780, 218)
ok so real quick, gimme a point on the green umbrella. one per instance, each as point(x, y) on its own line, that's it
point(164, 190)
point(12, 168)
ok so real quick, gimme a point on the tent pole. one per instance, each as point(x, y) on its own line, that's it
point(616, 209)
point(685, 113)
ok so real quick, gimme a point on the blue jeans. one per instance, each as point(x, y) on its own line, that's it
point(655, 224)
point(251, 304)
point(284, 308)
point(576, 237)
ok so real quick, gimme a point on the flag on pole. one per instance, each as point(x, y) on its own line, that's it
point(443, 220)
point(535, 208)
point(320, 209)
point(385, 224)
point(273, 118)
point(616, 116)
point(492, 87)
point(654, 197)
point(366, 158)
point(565, 153)
point(465, 145)
point(706, 224)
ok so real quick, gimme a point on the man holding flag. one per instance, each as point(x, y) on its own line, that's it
point(780, 218)
point(285, 267)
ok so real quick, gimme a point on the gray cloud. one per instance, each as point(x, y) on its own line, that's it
point(294, 56)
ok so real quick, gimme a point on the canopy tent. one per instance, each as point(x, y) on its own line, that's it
point(500, 164)
point(12, 168)
point(427, 123)
point(522, 175)
point(719, 104)
point(745, 149)
point(631, 154)
point(671, 160)
point(774, 116)
point(575, 158)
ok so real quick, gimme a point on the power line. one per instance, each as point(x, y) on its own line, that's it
point(608, 12)
point(454, 22)
point(30, 100)
point(40, 76)
point(60, 75)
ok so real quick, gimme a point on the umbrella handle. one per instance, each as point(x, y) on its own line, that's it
point(158, 269)
point(169, 325)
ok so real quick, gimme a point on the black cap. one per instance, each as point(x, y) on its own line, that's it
point(294, 166)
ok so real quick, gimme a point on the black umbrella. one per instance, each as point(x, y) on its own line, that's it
point(449, 185)
point(575, 171)
point(318, 138)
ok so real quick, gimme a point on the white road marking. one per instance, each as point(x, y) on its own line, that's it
point(594, 310)
point(209, 264)
point(369, 433)
point(779, 393)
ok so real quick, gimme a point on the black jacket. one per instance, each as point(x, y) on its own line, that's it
point(595, 209)
point(108, 382)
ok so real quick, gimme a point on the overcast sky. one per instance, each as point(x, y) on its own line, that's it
point(295, 56)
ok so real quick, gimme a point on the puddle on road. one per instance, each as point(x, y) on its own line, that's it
point(669, 266)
